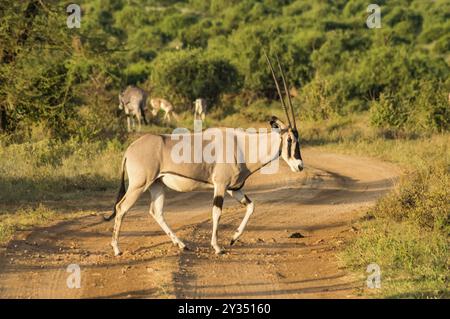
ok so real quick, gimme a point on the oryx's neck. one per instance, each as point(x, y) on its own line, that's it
point(268, 146)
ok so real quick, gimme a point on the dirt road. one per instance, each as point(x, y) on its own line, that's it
point(320, 203)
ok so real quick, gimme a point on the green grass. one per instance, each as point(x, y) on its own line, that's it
point(47, 169)
point(44, 170)
point(28, 217)
point(22, 219)
point(413, 262)
point(407, 236)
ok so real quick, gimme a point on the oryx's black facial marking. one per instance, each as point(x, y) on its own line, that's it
point(297, 154)
point(289, 145)
point(218, 201)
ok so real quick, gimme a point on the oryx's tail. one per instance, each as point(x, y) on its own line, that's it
point(121, 193)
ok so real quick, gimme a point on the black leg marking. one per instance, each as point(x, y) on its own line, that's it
point(218, 201)
point(246, 201)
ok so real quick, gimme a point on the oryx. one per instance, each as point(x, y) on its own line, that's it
point(200, 109)
point(162, 104)
point(134, 102)
point(149, 164)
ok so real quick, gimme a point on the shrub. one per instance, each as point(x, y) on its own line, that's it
point(187, 75)
point(388, 112)
point(421, 197)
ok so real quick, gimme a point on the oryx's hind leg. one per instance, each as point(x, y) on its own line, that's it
point(244, 200)
point(122, 207)
point(156, 210)
point(219, 193)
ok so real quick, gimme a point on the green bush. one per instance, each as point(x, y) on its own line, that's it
point(426, 111)
point(422, 198)
point(187, 75)
point(388, 112)
point(52, 74)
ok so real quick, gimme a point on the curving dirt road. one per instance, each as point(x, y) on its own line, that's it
point(320, 203)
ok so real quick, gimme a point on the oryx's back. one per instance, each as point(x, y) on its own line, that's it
point(135, 97)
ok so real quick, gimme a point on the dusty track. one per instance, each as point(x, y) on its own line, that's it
point(320, 203)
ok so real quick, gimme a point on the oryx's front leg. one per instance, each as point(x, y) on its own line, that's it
point(139, 123)
point(219, 193)
point(156, 210)
point(244, 200)
point(128, 124)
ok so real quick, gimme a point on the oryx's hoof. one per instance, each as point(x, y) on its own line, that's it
point(116, 250)
point(182, 246)
point(220, 251)
point(232, 242)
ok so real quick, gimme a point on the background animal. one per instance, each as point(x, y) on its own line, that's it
point(162, 104)
point(134, 102)
point(200, 109)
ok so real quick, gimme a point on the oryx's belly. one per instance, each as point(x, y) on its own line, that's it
point(183, 184)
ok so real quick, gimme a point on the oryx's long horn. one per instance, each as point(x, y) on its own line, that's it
point(278, 89)
point(286, 88)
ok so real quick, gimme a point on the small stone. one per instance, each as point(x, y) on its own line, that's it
point(280, 275)
point(296, 235)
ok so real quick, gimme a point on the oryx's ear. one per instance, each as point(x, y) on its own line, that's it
point(276, 123)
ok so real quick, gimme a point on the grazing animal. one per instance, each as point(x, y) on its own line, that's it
point(134, 102)
point(200, 109)
point(166, 106)
point(149, 164)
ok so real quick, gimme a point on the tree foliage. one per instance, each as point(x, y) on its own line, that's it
point(65, 78)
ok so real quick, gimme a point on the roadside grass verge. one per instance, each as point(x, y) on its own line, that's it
point(28, 217)
point(407, 236)
point(22, 219)
point(51, 170)
point(38, 179)
point(407, 232)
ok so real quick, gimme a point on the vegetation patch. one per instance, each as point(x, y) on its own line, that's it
point(407, 232)
point(22, 219)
